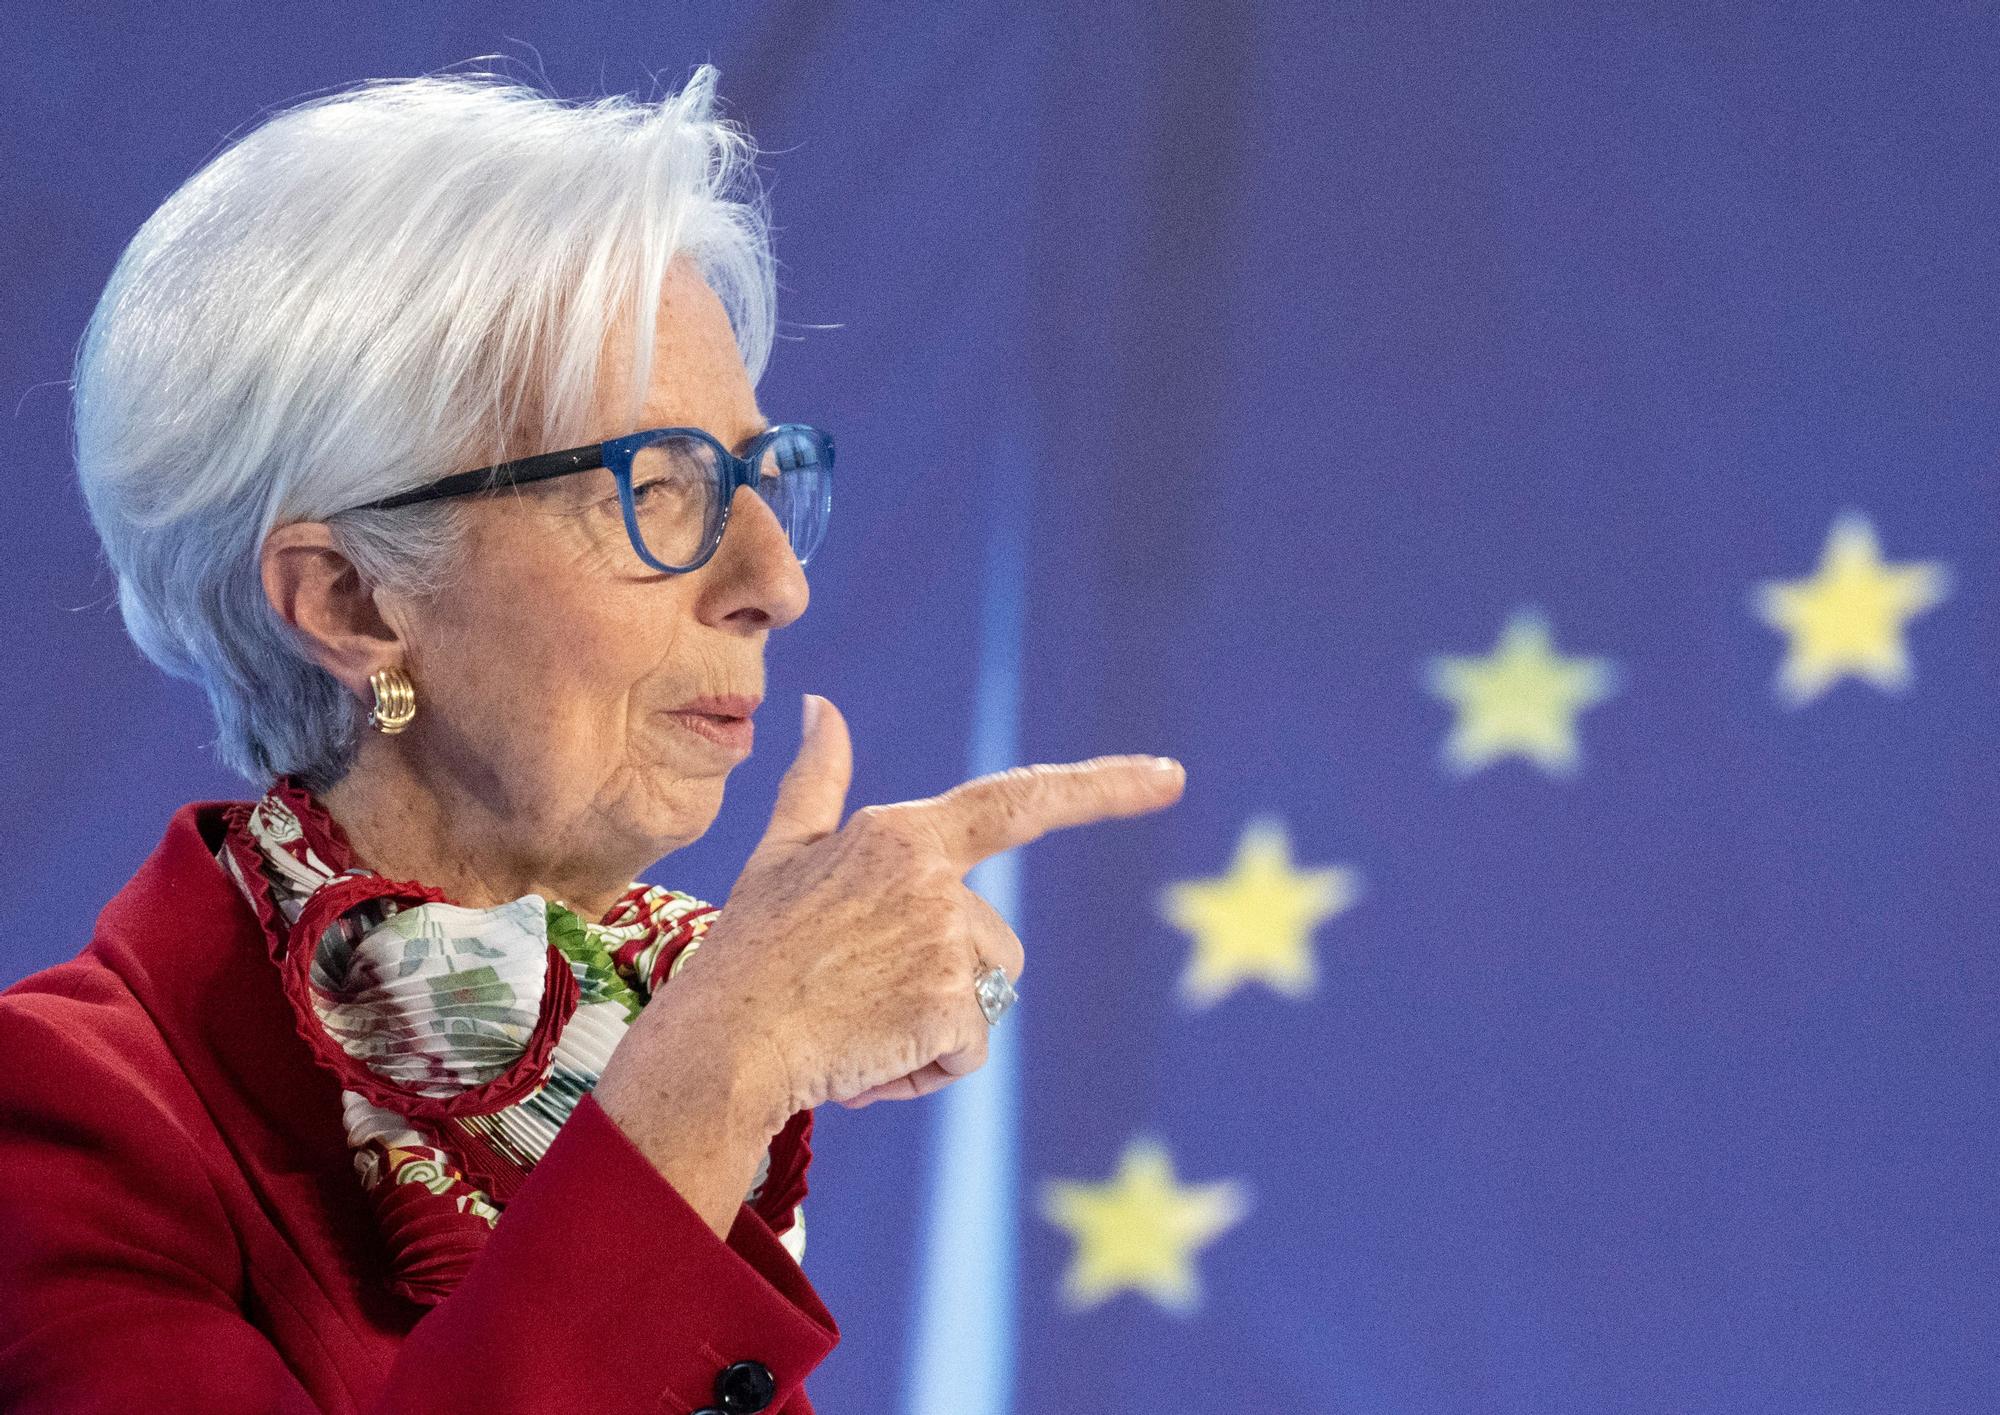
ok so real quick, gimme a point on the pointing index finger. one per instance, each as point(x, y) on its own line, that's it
point(993, 814)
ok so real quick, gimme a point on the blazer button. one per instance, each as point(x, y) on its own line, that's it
point(745, 1388)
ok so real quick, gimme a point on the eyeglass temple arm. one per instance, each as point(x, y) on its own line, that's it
point(516, 473)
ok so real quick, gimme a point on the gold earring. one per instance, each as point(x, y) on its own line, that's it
point(395, 701)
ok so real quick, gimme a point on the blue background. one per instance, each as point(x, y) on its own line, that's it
point(1200, 374)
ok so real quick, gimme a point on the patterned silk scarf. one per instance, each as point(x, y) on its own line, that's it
point(462, 1038)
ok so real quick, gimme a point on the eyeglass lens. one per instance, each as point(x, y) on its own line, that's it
point(677, 493)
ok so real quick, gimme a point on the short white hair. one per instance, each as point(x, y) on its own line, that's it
point(365, 292)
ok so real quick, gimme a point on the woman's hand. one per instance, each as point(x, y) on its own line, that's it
point(842, 967)
point(850, 951)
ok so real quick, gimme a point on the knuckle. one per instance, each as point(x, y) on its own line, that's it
point(872, 821)
point(1014, 956)
point(938, 1038)
point(1024, 785)
point(970, 1057)
point(994, 941)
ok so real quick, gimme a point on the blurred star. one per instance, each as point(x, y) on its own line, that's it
point(1847, 618)
point(1257, 921)
point(1139, 1230)
point(1520, 700)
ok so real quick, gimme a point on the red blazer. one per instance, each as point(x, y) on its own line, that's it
point(181, 1228)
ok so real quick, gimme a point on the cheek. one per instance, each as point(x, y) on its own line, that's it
point(540, 679)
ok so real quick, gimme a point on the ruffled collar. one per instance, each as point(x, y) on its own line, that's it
point(462, 1038)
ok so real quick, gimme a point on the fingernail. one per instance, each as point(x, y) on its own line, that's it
point(1167, 766)
point(809, 712)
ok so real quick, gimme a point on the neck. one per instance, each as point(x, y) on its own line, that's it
point(408, 824)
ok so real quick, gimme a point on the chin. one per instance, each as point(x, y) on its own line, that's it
point(681, 809)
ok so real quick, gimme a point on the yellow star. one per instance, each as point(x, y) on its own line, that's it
point(1520, 700)
point(1140, 1230)
point(1848, 617)
point(1256, 921)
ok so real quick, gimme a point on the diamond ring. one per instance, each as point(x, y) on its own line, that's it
point(995, 993)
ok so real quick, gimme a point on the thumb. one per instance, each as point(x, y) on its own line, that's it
point(813, 795)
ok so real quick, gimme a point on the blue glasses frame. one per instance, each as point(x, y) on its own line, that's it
point(617, 455)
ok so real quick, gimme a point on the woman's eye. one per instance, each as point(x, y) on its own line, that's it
point(668, 488)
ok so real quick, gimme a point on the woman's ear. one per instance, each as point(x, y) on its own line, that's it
point(322, 594)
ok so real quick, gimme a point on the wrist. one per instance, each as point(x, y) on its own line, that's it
point(749, 1084)
point(696, 1102)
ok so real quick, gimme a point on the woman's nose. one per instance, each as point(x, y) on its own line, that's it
point(754, 576)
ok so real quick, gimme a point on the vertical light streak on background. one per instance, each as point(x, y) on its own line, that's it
point(962, 1343)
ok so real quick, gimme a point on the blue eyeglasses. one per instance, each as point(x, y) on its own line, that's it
point(675, 487)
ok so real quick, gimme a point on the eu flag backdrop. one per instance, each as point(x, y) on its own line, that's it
point(1535, 464)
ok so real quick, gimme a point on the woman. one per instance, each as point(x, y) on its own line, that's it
point(419, 430)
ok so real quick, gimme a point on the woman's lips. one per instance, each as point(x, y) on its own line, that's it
point(735, 734)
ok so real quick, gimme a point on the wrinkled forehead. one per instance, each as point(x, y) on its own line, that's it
point(696, 376)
